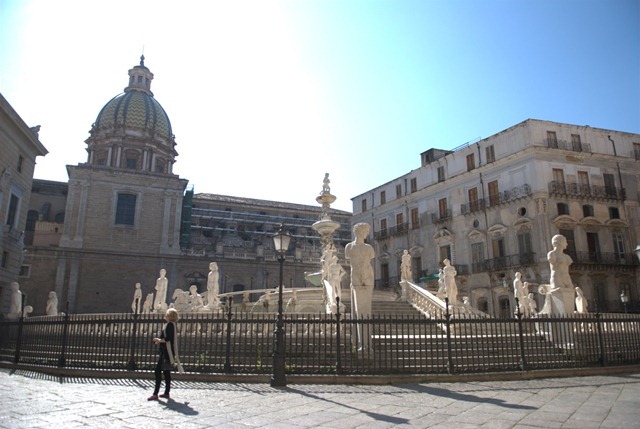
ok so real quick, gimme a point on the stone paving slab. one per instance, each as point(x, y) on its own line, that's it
point(34, 400)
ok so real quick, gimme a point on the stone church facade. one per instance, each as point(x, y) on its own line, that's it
point(124, 215)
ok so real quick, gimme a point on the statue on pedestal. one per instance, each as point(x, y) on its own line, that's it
point(196, 302)
point(359, 254)
point(162, 284)
point(213, 286)
point(52, 304)
point(147, 307)
point(559, 262)
point(520, 293)
point(449, 277)
point(561, 292)
point(137, 300)
point(15, 309)
point(582, 305)
point(405, 267)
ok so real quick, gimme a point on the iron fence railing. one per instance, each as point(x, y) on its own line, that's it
point(242, 343)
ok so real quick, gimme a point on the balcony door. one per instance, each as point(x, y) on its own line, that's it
point(593, 246)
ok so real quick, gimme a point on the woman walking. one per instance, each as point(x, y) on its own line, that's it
point(167, 349)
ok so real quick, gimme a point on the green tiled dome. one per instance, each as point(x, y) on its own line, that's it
point(135, 109)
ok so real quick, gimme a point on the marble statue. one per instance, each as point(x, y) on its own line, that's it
point(405, 267)
point(137, 300)
point(559, 263)
point(27, 310)
point(196, 303)
point(15, 309)
point(532, 305)
point(52, 304)
point(336, 273)
point(449, 274)
point(546, 291)
point(325, 184)
point(180, 301)
point(213, 286)
point(520, 293)
point(360, 254)
point(162, 284)
point(147, 307)
point(561, 294)
point(582, 305)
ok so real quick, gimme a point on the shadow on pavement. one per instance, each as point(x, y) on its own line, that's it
point(376, 416)
point(446, 393)
point(180, 408)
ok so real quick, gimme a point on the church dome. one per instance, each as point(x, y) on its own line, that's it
point(132, 130)
point(134, 109)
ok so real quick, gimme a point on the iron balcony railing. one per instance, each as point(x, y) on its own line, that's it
point(229, 342)
point(577, 190)
point(504, 262)
point(441, 216)
point(565, 145)
point(496, 199)
point(399, 229)
point(603, 258)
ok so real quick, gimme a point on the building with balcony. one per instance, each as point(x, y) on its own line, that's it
point(19, 148)
point(492, 206)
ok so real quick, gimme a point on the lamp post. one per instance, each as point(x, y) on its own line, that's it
point(624, 298)
point(281, 243)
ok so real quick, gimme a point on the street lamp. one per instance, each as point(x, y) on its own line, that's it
point(624, 298)
point(281, 243)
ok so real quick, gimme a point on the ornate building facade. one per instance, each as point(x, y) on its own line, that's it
point(493, 205)
point(127, 215)
point(19, 148)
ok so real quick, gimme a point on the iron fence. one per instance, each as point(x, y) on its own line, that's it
point(242, 343)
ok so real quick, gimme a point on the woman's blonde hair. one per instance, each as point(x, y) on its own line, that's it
point(172, 315)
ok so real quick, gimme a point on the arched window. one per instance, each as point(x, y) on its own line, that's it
point(505, 307)
point(483, 305)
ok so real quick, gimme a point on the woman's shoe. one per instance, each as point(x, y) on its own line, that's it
point(165, 395)
point(152, 398)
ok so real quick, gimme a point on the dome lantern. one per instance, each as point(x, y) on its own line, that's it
point(140, 78)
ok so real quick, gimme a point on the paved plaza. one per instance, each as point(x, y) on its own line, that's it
point(35, 400)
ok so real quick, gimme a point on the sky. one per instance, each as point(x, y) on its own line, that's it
point(265, 97)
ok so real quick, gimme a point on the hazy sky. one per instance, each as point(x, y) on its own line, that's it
point(266, 96)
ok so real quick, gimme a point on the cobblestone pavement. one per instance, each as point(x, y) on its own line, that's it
point(34, 400)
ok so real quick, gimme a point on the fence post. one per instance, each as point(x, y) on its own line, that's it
point(523, 362)
point(227, 356)
point(16, 358)
point(65, 327)
point(339, 339)
point(448, 319)
point(603, 358)
point(131, 365)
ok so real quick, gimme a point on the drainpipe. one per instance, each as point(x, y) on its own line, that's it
point(615, 154)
